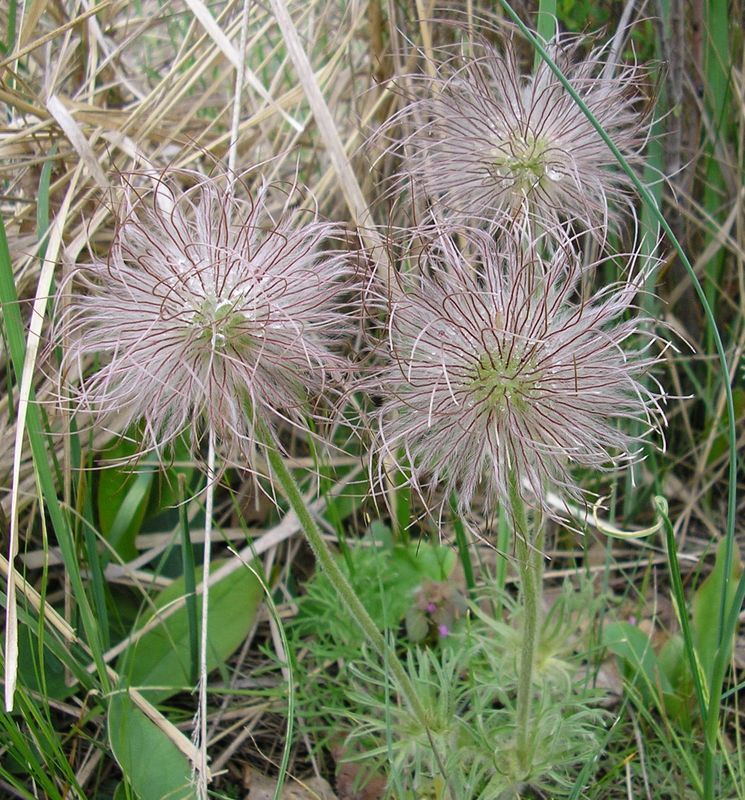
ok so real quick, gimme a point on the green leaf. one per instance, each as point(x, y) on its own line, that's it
point(674, 664)
point(705, 611)
point(47, 677)
point(159, 663)
point(123, 495)
point(672, 660)
point(419, 561)
point(641, 666)
point(122, 792)
point(155, 768)
point(381, 533)
point(384, 578)
point(165, 492)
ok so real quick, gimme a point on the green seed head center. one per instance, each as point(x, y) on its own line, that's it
point(499, 381)
point(217, 322)
point(524, 159)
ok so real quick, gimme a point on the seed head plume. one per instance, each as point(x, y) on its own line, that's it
point(210, 313)
point(500, 365)
point(488, 142)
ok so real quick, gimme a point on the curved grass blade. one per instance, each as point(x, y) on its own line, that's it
point(712, 713)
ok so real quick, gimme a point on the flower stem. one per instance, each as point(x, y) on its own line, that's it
point(346, 593)
point(530, 562)
point(201, 733)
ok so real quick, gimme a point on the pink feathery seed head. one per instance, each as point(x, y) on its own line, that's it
point(502, 367)
point(488, 142)
point(210, 311)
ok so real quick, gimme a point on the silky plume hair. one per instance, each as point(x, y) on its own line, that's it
point(485, 142)
point(210, 312)
point(499, 362)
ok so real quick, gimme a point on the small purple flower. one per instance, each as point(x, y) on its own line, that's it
point(490, 142)
point(431, 608)
point(501, 366)
point(443, 630)
point(210, 311)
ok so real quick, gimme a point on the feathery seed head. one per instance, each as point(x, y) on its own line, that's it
point(489, 142)
point(500, 364)
point(210, 311)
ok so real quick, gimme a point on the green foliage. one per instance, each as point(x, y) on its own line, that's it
point(10, 32)
point(705, 607)
point(466, 680)
point(159, 662)
point(384, 576)
point(41, 667)
point(658, 679)
point(582, 15)
point(662, 679)
point(33, 748)
point(151, 762)
point(127, 493)
point(123, 496)
point(14, 333)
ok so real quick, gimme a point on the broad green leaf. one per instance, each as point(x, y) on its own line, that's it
point(705, 609)
point(672, 660)
point(165, 491)
point(123, 495)
point(52, 682)
point(719, 445)
point(419, 561)
point(155, 768)
point(381, 533)
point(159, 663)
point(673, 663)
point(641, 666)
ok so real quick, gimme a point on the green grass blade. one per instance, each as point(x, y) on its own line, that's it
point(288, 745)
point(42, 206)
point(14, 332)
point(190, 578)
point(8, 45)
point(649, 202)
point(90, 541)
point(463, 551)
point(545, 25)
point(680, 600)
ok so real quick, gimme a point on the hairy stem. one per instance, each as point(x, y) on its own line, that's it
point(346, 593)
point(713, 709)
point(201, 732)
point(530, 562)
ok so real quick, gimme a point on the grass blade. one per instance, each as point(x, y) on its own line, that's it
point(710, 740)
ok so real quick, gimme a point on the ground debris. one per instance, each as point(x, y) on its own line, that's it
point(262, 787)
